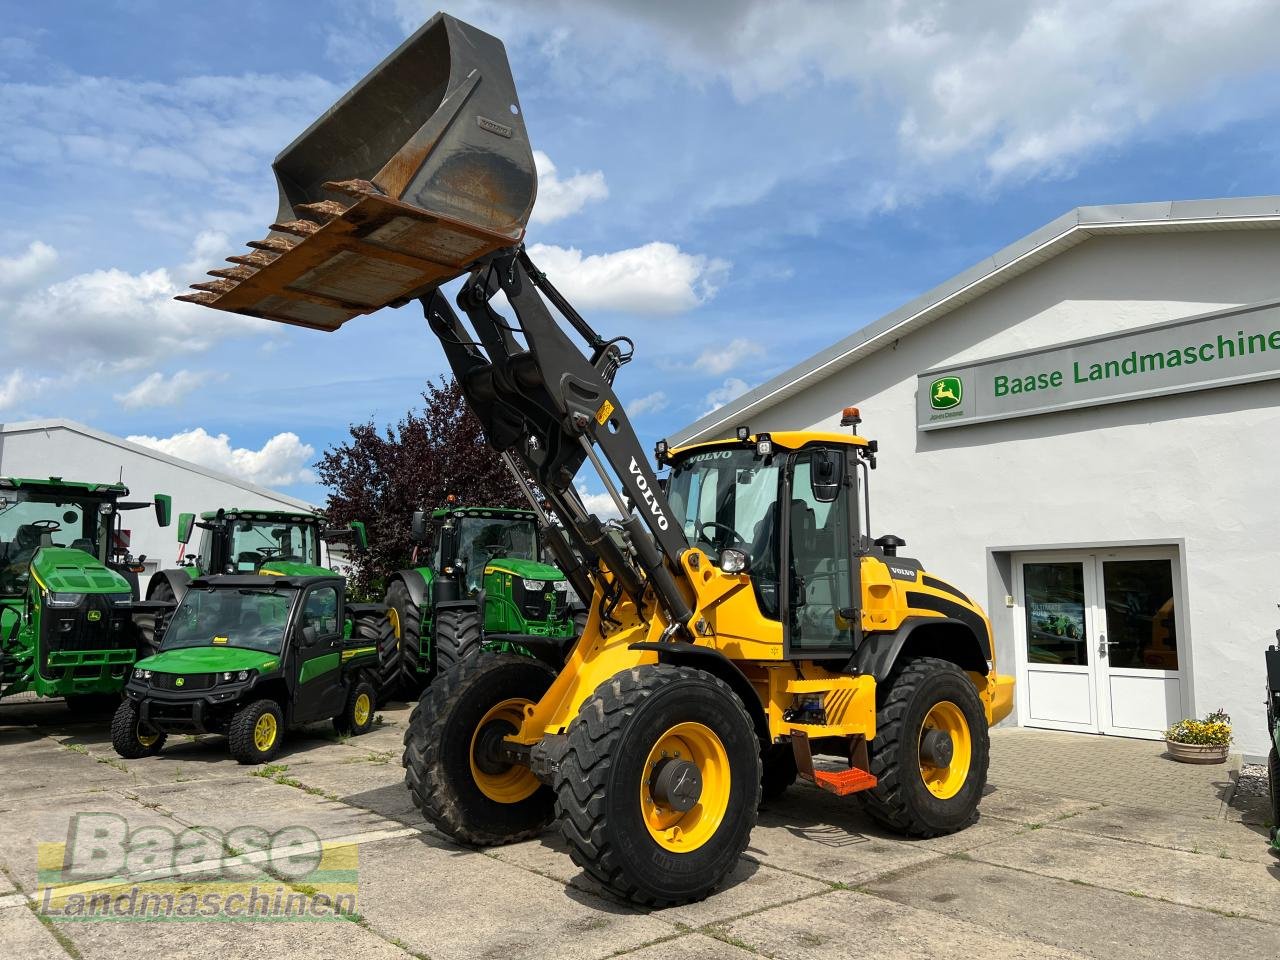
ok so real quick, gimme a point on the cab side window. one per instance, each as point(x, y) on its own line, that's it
point(819, 566)
point(320, 611)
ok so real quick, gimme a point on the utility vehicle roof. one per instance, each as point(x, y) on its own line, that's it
point(53, 484)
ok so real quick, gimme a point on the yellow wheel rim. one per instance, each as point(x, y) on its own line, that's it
point(360, 713)
point(264, 732)
point(516, 782)
point(393, 618)
point(148, 740)
point(945, 782)
point(684, 832)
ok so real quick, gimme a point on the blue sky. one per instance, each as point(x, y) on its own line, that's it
point(734, 184)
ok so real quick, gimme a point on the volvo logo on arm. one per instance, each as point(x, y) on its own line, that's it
point(655, 510)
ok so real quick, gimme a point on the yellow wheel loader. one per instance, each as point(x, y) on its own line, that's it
point(745, 628)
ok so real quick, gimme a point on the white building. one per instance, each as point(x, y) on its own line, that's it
point(1122, 530)
point(72, 451)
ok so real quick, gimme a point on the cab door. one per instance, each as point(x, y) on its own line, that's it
point(317, 638)
point(819, 612)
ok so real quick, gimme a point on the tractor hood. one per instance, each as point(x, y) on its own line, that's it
point(208, 660)
point(526, 569)
point(62, 570)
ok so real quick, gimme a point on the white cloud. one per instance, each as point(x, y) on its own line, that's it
point(20, 270)
point(657, 278)
point(727, 392)
point(720, 360)
point(558, 198)
point(649, 403)
point(601, 504)
point(158, 391)
point(282, 460)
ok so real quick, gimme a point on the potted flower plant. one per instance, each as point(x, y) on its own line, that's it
point(1200, 741)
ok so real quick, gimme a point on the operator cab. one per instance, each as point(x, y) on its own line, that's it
point(804, 557)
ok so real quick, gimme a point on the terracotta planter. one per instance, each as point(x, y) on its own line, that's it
point(1198, 752)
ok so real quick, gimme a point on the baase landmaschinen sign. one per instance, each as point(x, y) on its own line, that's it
point(1237, 345)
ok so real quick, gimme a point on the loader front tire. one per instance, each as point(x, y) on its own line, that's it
point(930, 752)
point(448, 758)
point(658, 787)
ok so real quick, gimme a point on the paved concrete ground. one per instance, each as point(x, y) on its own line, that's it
point(1086, 847)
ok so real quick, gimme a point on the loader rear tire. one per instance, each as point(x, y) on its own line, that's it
point(641, 729)
point(924, 698)
point(463, 792)
point(779, 770)
point(399, 649)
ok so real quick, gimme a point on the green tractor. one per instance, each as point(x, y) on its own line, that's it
point(1273, 728)
point(250, 656)
point(486, 583)
point(71, 624)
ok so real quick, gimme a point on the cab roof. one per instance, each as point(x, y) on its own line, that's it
point(236, 513)
point(784, 439)
point(495, 513)
point(55, 484)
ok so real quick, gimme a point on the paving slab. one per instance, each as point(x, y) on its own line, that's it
point(227, 940)
point(844, 924)
point(23, 935)
point(750, 887)
point(1213, 883)
point(1030, 806)
point(1099, 923)
point(48, 769)
point(370, 781)
point(689, 946)
point(451, 904)
point(1166, 828)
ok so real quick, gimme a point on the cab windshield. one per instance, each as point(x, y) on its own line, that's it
point(481, 540)
point(30, 520)
point(249, 618)
point(255, 542)
point(729, 498)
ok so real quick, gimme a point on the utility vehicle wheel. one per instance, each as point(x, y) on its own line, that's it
point(1273, 779)
point(779, 763)
point(451, 766)
point(400, 663)
point(357, 715)
point(255, 732)
point(658, 787)
point(457, 636)
point(930, 752)
point(93, 704)
point(129, 738)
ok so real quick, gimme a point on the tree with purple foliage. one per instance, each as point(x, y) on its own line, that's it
point(381, 476)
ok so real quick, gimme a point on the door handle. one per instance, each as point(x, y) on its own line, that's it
point(1102, 645)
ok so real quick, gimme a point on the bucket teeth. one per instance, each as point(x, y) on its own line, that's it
point(324, 211)
point(259, 258)
point(274, 244)
point(354, 188)
point(233, 273)
point(299, 228)
point(202, 298)
point(215, 286)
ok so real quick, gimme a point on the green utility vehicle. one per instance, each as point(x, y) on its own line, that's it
point(1273, 728)
point(485, 583)
point(236, 540)
point(250, 656)
point(69, 611)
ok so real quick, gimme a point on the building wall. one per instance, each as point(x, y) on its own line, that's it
point(61, 451)
point(1197, 468)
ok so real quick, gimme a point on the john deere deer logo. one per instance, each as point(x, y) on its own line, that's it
point(180, 681)
point(945, 392)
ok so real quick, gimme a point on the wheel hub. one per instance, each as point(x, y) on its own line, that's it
point(676, 784)
point(489, 754)
point(937, 748)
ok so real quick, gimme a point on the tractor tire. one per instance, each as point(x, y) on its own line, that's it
point(256, 732)
point(127, 736)
point(457, 636)
point(778, 761)
point(655, 843)
point(150, 626)
point(914, 796)
point(399, 661)
point(357, 713)
point(470, 797)
point(1273, 780)
point(89, 706)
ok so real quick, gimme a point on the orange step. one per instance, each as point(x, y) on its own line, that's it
point(844, 782)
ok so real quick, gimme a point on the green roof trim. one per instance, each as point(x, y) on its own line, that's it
point(499, 513)
point(54, 484)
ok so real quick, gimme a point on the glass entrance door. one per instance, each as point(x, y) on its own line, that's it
point(1099, 646)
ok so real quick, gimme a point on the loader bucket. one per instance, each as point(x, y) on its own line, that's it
point(422, 168)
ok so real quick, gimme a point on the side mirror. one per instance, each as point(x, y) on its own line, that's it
point(826, 475)
point(186, 522)
point(418, 527)
point(164, 509)
point(361, 534)
point(310, 636)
